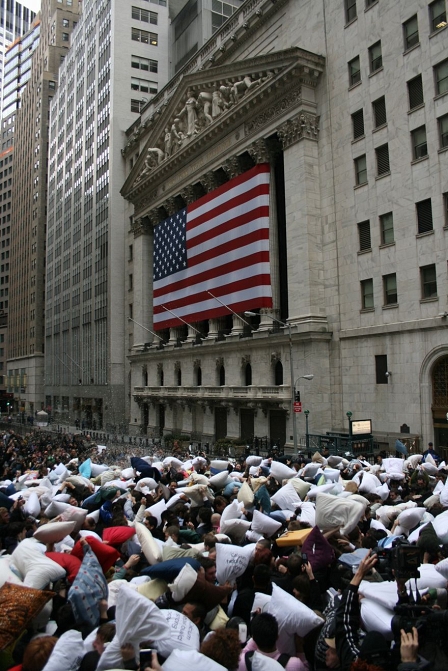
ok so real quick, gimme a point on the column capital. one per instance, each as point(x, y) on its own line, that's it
point(209, 181)
point(262, 151)
point(154, 217)
point(232, 167)
point(188, 194)
point(140, 226)
point(305, 125)
point(170, 206)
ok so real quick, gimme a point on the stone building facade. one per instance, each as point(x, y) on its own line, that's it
point(348, 104)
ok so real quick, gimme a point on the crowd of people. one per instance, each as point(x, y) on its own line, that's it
point(136, 562)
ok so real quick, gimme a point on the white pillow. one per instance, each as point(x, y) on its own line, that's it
point(444, 495)
point(414, 460)
point(293, 617)
point(194, 493)
point(253, 460)
point(6, 574)
point(150, 549)
point(55, 508)
point(429, 577)
point(150, 625)
point(95, 515)
point(199, 479)
point(114, 587)
point(376, 618)
point(281, 471)
point(183, 583)
point(86, 532)
point(308, 513)
point(37, 569)
point(302, 488)
point(384, 593)
point(54, 532)
point(310, 470)
point(190, 660)
point(393, 465)
point(236, 528)
point(368, 484)
point(97, 469)
point(319, 489)
point(332, 512)
point(261, 602)
point(440, 525)
point(430, 469)
point(442, 568)
point(74, 514)
point(184, 634)
point(332, 474)
point(67, 653)
point(172, 462)
point(232, 561)
point(219, 464)
point(246, 495)
point(156, 510)
point(287, 498)
point(408, 519)
point(230, 512)
point(264, 524)
point(32, 506)
point(220, 480)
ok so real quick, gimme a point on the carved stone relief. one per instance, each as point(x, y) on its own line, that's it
point(304, 125)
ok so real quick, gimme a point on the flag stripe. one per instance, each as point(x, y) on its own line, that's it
point(220, 244)
point(212, 268)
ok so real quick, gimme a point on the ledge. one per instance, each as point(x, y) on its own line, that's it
point(394, 327)
point(357, 139)
point(350, 23)
point(418, 107)
point(423, 235)
point(364, 251)
point(353, 86)
point(387, 244)
point(432, 299)
point(420, 160)
point(390, 307)
point(408, 51)
point(383, 125)
point(374, 4)
point(385, 174)
point(436, 32)
point(372, 74)
point(359, 186)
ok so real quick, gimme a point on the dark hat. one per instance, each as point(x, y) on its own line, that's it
point(375, 649)
point(430, 444)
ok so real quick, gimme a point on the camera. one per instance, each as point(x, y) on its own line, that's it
point(399, 561)
point(430, 624)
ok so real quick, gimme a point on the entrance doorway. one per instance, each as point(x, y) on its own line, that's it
point(440, 404)
point(277, 427)
point(220, 423)
point(247, 418)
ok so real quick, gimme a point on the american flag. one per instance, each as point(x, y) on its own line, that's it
point(220, 243)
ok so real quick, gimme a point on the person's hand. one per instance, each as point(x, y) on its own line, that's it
point(132, 561)
point(83, 542)
point(127, 652)
point(155, 666)
point(103, 609)
point(309, 570)
point(409, 646)
point(344, 544)
point(364, 568)
point(143, 501)
point(190, 525)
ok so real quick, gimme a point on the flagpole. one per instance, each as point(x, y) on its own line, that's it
point(229, 308)
point(182, 320)
point(146, 329)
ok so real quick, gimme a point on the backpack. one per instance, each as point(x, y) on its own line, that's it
point(282, 660)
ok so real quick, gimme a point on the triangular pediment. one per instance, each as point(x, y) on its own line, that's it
point(205, 104)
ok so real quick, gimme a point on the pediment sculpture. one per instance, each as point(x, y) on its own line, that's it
point(198, 110)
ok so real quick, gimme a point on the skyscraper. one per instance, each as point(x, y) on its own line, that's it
point(28, 208)
point(117, 61)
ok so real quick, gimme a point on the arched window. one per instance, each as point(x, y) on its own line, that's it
point(440, 386)
point(198, 376)
point(222, 376)
point(248, 375)
point(278, 373)
point(179, 377)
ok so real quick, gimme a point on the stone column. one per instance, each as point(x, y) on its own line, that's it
point(142, 284)
point(263, 152)
point(303, 219)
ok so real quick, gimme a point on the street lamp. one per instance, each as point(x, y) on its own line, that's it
point(248, 313)
point(307, 435)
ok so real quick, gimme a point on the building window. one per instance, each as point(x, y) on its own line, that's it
point(144, 15)
point(350, 10)
point(381, 369)
point(220, 13)
point(443, 131)
point(65, 37)
point(410, 33)
point(424, 216)
point(65, 23)
point(364, 236)
point(361, 170)
point(382, 160)
point(143, 85)
point(390, 289)
point(367, 294)
point(144, 37)
point(441, 77)
point(445, 207)
point(415, 92)
point(146, 64)
point(437, 15)
point(354, 71)
point(429, 281)
point(137, 105)
point(379, 112)
point(375, 57)
point(387, 228)
point(419, 144)
point(358, 124)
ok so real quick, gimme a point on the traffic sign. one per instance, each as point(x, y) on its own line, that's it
point(297, 406)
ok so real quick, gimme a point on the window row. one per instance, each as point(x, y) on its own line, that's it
point(423, 210)
point(143, 36)
point(144, 15)
point(428, 288)
point(436, 17)
point(415, 85)
point(419, 149)
point(146, 64)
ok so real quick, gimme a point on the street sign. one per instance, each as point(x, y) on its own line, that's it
point(297, 406)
